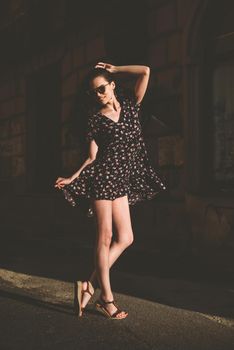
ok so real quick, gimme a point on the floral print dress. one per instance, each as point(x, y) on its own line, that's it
point(121, 166)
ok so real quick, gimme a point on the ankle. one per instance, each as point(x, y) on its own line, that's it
point(106, 297)
point(94, 283)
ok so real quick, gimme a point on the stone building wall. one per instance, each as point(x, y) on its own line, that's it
point(165, 22)
point(12, 94)
point(171, 25)
point(74, 65)
point(165, 25)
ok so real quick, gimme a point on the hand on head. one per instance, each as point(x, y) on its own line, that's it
point(107, 66)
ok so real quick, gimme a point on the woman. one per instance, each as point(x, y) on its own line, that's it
point(116, 174)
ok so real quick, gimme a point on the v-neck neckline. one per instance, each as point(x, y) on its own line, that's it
point(120, 115)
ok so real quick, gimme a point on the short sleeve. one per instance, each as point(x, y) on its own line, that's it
point(91, 130)
point(134, 105)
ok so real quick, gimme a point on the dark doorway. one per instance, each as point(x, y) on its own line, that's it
point(43, 129)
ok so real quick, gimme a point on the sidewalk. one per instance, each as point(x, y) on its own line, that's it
point(171, 306)
point(163, 314)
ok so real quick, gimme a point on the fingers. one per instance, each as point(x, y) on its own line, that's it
point(59, 183)
point(59, 186)
point(101, 65)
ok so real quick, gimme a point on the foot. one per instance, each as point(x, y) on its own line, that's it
point(112, 308)
point(87, 288)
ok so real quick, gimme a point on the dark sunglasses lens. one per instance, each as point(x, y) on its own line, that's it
point(101, 89)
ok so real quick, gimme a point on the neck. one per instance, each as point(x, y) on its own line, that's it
point(113, 103)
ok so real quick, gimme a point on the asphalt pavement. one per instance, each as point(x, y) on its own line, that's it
point(169, 308)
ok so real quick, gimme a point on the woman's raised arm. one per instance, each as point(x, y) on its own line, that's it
point(143, 73)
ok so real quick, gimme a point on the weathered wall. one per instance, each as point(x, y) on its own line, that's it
point(182, 221)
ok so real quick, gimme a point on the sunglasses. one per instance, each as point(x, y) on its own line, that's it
point(100, 89)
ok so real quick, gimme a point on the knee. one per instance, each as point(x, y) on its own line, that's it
point(126, 239)
point(130, 240)
point(105, 237)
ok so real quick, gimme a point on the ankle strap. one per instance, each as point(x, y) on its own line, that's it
point(107, 302)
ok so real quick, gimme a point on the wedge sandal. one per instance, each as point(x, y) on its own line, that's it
point(79, 291)
point(100, 306)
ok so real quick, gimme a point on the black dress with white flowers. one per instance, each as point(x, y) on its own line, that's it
point(121, 166)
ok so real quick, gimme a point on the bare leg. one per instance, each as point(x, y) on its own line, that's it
point(124, 237)
point(103, 211)
point(124, 234)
